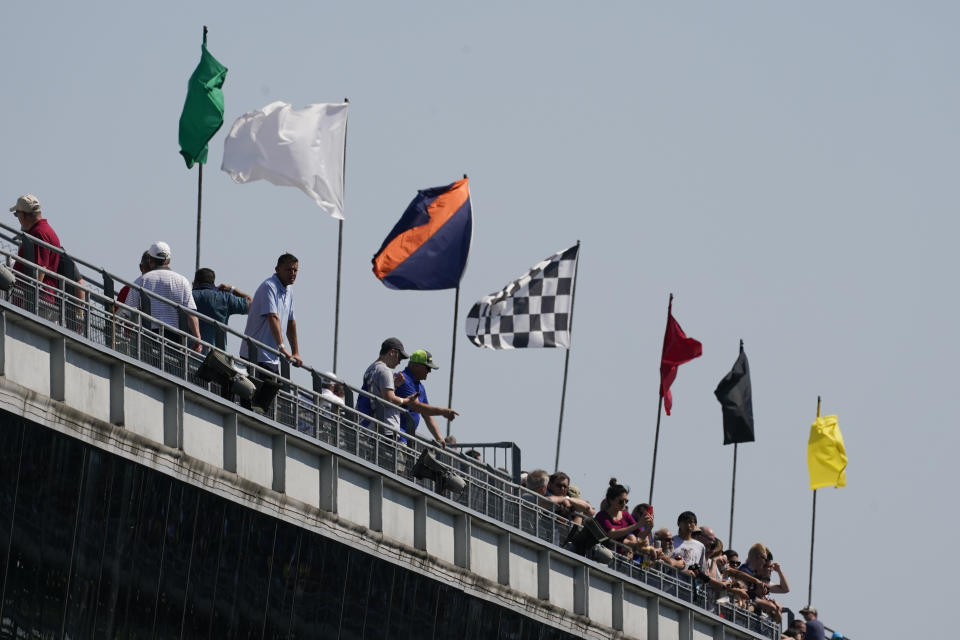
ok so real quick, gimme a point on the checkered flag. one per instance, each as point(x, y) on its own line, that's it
point(535, 310)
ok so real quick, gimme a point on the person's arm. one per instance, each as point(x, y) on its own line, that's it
point(434, 429)
point(235, 291)
point(429, 410)
point(620, 534)
point(784, 586)
point(579, 505)
point(295, 358)
point(194, 328)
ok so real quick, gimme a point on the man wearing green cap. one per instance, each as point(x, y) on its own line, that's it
point(409, 383)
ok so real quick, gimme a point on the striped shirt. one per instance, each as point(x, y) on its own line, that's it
point(166, 284)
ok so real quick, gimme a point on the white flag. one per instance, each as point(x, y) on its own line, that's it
point(535, 310)
point(292, 148)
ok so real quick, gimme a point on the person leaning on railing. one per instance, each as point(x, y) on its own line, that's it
point(271, 316)
point(167, 285)
point(617, 521)
point(409, 384)
point(572, 508)
point(217, 302)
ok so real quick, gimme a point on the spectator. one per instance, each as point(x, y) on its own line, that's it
point(271, 316)
point(378, 381)
point(643, 513)
point(167, 285)
point(771, 566)
point(125, 289)
point(409, 384)
point(617, 521)
point(536, 483)
point(570, 507)
point(476, 455)
point(813, 626)
point(688, 552)
point(28, 214)
point(217, 302)
point(665, 538)
point(332, 391)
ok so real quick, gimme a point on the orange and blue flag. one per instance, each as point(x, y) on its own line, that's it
point(428, 248)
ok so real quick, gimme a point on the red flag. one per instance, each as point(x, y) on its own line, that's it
point(677, 349)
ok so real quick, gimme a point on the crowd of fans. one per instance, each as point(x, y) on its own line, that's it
point(398, 399)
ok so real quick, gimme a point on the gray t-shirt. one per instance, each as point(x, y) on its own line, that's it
point(376, 379)
point(691, 552)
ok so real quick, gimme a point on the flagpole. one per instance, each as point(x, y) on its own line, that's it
point(453, 347)
point(813, 528)
point(733, 491)
point(199, 186)
point(733, 484)
point(656, 438)
point(566, 363)
point(336, 312)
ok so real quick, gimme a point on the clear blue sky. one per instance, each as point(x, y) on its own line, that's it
point(783, 168)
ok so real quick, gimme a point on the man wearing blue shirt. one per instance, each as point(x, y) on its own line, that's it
point(271, 316)
point(409, 384)
point(218, 303)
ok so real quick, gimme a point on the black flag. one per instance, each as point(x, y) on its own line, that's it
point(736, 398)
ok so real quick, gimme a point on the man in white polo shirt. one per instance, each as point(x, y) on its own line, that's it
point(169, 285)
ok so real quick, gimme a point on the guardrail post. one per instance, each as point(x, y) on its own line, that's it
point(230, 442)
point(376, 503)
point(173, 417)
point(58, 366)
point(118, 385)
point(461, 541)
point(543, 575)
point(420, 522)
point(3, 343)
point(329, 477)
point(503, 560)
point(618, 596)
point(686, 624)
point(653, 616)
point(581, 590)
point(279, 451)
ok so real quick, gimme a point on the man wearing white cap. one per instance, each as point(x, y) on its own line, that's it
point(28, 213)
point(169, 285)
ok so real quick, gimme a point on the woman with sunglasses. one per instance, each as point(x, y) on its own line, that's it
point(617, 521)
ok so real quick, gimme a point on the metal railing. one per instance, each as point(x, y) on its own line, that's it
point(94, 313)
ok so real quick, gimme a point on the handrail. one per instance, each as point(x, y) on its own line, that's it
point(486, 492)
point(106, 275)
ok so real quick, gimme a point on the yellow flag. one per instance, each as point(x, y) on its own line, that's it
point(826, 455)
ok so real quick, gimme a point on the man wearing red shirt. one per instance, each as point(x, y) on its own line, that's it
point(27, 211)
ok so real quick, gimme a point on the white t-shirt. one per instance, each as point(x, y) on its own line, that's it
point(166, 284)
point(691, 552)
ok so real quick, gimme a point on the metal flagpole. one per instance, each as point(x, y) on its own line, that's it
point(453, 349)
point(813, 528)
point(566, 362)
point(336, 312)
point(656, 438)
point(453, 346)
point(733, 485)
point(199, 185)
point(733, 490)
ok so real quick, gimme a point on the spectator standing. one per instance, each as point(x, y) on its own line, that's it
point(688, 552)
point(814, 628)
point(617, 521)
point(29, 215)
point(378, 381)
point(409, 384)
point(144, 267)
point(570, 507)
point(167, 285)
point(217, 302)
point(270, 317)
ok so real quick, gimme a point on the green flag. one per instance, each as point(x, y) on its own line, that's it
point(203, 109)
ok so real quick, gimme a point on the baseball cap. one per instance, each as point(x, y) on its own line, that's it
point(26, 203)
point(810, 610)
point(159, 251)
point(394, 343)
point(422, 356)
